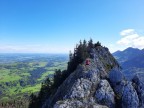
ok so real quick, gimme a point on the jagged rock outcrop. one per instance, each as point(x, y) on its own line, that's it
point(104, 94)
point(139, 86)
point(116, 76)
point(100, 84)
point(129, 97)
point(124, 91)
point(78, 104)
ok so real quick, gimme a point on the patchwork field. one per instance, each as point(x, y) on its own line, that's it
point(22, 74)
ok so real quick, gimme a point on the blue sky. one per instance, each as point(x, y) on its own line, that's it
point(55, 26)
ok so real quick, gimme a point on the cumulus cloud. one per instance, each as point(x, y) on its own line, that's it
point(130, 38)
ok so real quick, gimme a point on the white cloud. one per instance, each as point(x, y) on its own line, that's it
point(130, 38)
point(127, 32)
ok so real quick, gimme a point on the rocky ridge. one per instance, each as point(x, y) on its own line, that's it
point(100, 84)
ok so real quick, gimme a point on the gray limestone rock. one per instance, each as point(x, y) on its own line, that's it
point(119, 88)
point(116, 76)
point(130, 97)
point(139, 86)
point(77, 104)
point(117, 81)
point(80, 89)
point(104, 94)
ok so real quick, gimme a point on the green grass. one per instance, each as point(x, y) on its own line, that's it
point(13, 90)
point(42, 64)
point(32, 89)
point(44, 75)
point(4, 99)
point(4, 72)
point(25, 74)
point(9, 78)
point(38, 64)
point(61, 66)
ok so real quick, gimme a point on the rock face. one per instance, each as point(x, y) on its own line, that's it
point(77, 104)
point(130, 97)
point(139, 86)
point(104, 94)
point(124, 90)
point(117, 82)
point(116, 76)
point(97, 85)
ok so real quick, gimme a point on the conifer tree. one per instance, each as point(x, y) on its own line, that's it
point(97, 44)
point(90, 43)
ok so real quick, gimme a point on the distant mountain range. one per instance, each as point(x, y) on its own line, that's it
point(131, 60)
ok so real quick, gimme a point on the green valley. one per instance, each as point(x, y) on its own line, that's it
point(22, 74)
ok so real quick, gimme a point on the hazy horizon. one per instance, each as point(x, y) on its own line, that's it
point(34, 26)
point(49, 53)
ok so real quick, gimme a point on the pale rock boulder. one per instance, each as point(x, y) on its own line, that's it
point(77, 104)
point(105, 95)
point(130, 97)
point(139, 86)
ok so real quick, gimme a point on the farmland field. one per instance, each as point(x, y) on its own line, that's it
point(22, 74)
